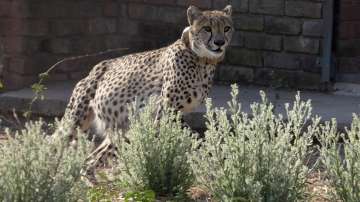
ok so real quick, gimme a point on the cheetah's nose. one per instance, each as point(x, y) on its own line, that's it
point(219, 42)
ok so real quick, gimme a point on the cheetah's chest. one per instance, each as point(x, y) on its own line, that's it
point(200, 89)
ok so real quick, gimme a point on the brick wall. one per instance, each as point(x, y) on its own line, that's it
point(277, 42)
point(348, 41)
point(37, 33)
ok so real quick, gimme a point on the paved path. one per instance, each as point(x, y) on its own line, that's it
point(325, 105)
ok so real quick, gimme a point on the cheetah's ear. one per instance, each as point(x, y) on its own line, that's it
point(228, 10)
point(192, 13)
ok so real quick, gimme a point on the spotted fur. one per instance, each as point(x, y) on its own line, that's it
point(181, 74)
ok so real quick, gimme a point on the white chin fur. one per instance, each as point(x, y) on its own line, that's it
point(203, 52)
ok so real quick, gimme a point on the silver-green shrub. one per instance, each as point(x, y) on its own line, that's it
point(32, 168)
point(257, 157)
point(340, 154)
point(157, 156)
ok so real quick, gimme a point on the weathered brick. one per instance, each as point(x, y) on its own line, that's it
point(60, 46)
point(263, 76)
point(14, 9)
point(348, 77)
point(282, 25)
point(308, 80)
point(123, 10)
point(29, 27)
point(156, 13)
point(237, 39)
point(273, 7)
point(292, 61)
point(35, 27)
point(59, 77)
point(14, 80)
point(263, 41)
point(12, 44)
point(156, 2)
point(102, 26)
point(60, 9)
point(118, 41)
point(32, 65)
point(163, 30)
point(85, 63)
point(349, 11)
point(44, 10)
point(313, 28)
point(349, 30)
point(241, 6)
point(4, 8)
point(281, 60)
point(230, 73)
point(127, 26)
point(249, 22)
point(302, 45)
point(88, 8)
point(32, 45)
point(219, 4)
point(200, 3)
point(238, 56)
point(11, 27)
point(87, 44)
point(349, 64)
point(15, 45)
point(348, 48)
point(303, 9)
point(78, 75)
point(288, 79)
point(65, 9)
point(66, 27)
point(111, 8)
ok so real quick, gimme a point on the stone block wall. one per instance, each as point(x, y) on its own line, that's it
point(348, 41)
point(277, 42)
point(35, 34)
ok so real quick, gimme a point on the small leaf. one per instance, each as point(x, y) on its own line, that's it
point(44, 75)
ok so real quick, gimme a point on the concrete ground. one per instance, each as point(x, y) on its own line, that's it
point(338, 105)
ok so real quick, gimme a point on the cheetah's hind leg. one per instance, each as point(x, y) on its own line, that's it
point(102, 157)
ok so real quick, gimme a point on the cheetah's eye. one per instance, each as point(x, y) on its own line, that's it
point(207, 29)
point(227, 28)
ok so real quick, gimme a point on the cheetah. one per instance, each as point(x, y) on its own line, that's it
point(180, 74)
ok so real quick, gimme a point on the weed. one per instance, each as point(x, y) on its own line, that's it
point(157, 156)
point(33, 168)
point(254, 159)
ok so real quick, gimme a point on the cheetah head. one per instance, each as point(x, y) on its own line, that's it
point(209, 32)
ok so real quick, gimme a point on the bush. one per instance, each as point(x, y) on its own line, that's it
point(254, 159)
point(342, 160)
point(157, 157)
point(32, 168)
